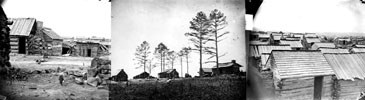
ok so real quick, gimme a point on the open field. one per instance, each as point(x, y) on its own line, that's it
point(228, 88)
point(42, 80)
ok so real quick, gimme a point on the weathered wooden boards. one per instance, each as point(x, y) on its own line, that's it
point(267, 79)
point(349, 90)
point(301, 88)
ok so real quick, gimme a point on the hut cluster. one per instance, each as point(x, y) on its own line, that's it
point(308, 66)
point(29, 36)
point(227, 68)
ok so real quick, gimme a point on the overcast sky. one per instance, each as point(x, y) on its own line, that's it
point(311, 16)
point(66, 17)
point(155, 21)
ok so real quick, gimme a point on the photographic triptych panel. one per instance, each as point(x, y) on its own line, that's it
point(182, 49)
point(306, 49)
point(170, 49)
point(55, 49)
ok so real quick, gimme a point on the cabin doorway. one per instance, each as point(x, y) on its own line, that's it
point(318, 84)
point(22, 45)
point(65, 50)
point(88, 52)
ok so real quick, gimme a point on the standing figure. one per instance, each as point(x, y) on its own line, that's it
point(61, 79)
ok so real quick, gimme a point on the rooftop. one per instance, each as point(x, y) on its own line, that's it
point(22, 26)
point(347, 66)
point(300, 63)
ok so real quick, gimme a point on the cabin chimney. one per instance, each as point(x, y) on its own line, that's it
point(234, 61)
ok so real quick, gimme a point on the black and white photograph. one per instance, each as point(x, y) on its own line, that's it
point(178, 50)
point(182, 50)
point(306, 49)
point(55, 49)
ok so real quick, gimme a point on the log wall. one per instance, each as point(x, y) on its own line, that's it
point(301, 88)
point(348, 90)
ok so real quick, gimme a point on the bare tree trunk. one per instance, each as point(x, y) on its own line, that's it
point(161, 62)
point(216, 49)
point(144, 65)
point(150, 66)
point(181, 66)
point(187, 63)
point(201, 55)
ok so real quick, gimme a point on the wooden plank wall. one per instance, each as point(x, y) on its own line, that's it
point(268, 81)
point(349, 90)
point(301, 88)
point(81, 50)
point(56, 48)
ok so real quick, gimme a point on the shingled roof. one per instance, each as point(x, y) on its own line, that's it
point(347, 66)
point(296, 64)
point(21, 26)
point(313, 40)
point(293, 44)
point(268, 48)
point(358, 50)
point(228, 64)
point(332, 50)
point(53, 35)
point(318, 45)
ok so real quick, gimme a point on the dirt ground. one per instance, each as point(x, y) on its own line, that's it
point(46, 86)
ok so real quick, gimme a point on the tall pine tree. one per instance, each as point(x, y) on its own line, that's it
point(141, 54)
point(200, 26)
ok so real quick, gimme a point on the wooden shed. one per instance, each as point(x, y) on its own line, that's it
point(207, 72)
point(89, 49)
point(227, 68)
point(310, 35)
point(143, 75)
point(20, 32)
point(297, 35)
point(68, 47)
point(265, 50)
point(343, 42)
point(53, 42)
point(275, 38)
point(300, 75)
point(121, 76)
point(294, 44)
point(264, 37)
point(318, 45)
point(349, 82)
point(169, 73)
point(308, 42)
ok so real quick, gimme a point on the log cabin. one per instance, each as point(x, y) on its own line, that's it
point(169, 73)
point(318, 45)
point(121, 76)
point(309, 41)
point(299, 75)
point(53, 42)
point(349, 69)
point(89, 49)
point(20, 33)
point(227, 68)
